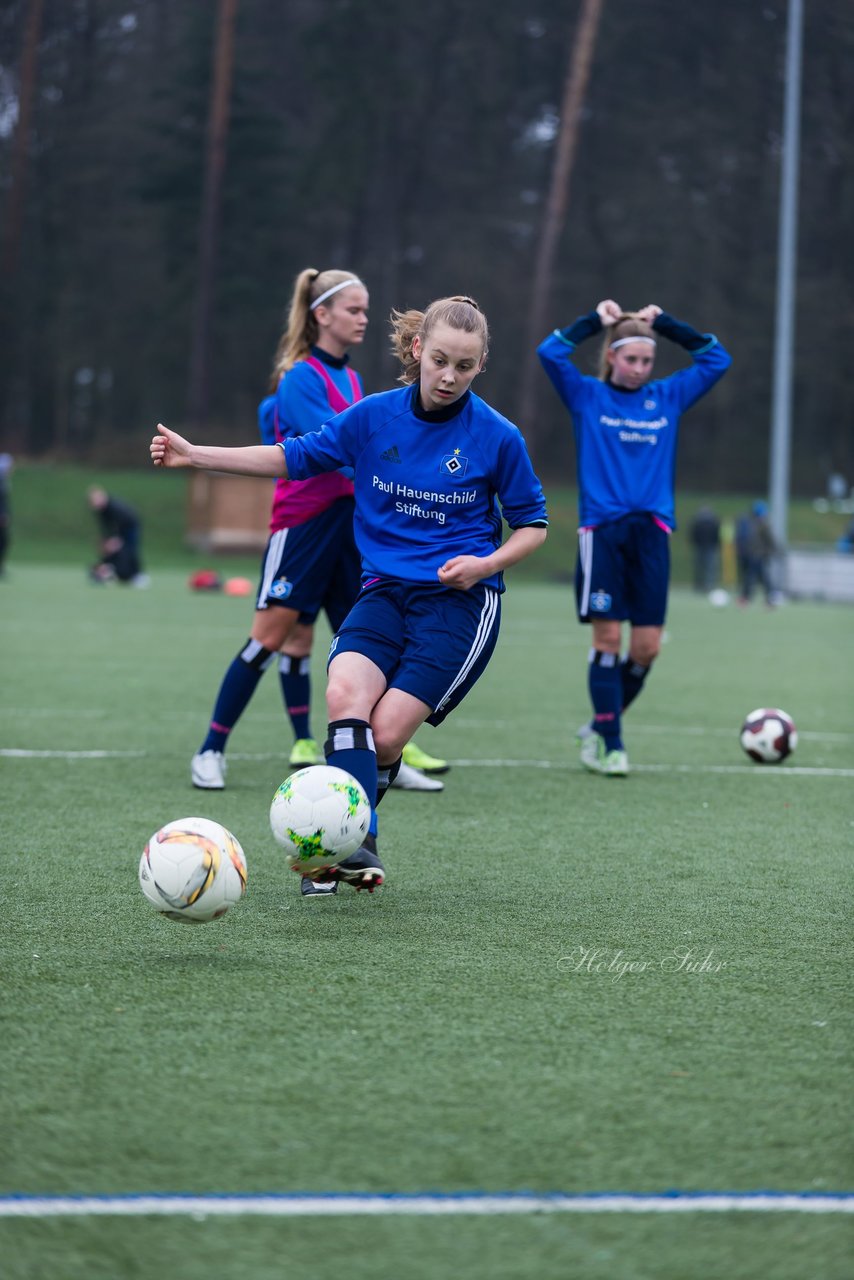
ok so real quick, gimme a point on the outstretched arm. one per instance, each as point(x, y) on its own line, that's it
point(168, 449)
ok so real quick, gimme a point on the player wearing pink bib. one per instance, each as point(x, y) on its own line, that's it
point(311, 562)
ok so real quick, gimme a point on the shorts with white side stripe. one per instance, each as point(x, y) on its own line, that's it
point(313, 566)
point(623, 571)
point(432, 642)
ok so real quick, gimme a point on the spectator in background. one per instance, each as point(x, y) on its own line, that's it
point(120, 537)
point(755, 548)
point(6, 465)
point(837, 487)
point(705, 536)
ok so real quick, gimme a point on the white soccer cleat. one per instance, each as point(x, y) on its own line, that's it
point(615, 765)
point(409, 779)
point(592, 752)
point(207, 769)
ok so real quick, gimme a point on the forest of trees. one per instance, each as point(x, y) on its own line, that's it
point(414, 145)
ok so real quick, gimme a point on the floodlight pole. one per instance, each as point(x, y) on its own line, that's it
point(781, 413)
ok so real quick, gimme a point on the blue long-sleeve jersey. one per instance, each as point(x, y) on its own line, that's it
point(302, 399)
point(626, 440)
point(427, 485)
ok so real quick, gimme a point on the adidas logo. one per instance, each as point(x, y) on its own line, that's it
point(390, 455)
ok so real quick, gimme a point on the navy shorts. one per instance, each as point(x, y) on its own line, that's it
point(431, 642)
point(313, 566)
point(623, 571)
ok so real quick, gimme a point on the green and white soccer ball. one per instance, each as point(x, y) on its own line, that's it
point(193, 870)
point(319, 815)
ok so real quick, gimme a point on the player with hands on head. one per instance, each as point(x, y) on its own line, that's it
point(435, 468)
point(626, 432)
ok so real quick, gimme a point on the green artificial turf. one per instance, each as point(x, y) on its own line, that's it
point(468, 1028)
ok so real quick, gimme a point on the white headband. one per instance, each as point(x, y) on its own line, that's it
point(640, 337)
point(345, 284)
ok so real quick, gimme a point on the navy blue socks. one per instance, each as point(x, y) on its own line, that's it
point(295, 679)
point(238, 685)
point(632, 676)
point(350, 746)
point(606, 694)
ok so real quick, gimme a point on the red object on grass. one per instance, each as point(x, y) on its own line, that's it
point(205, 580)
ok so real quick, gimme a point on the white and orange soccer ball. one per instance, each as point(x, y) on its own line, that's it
point(768, 735)
point(319, 815)
point(193, 870)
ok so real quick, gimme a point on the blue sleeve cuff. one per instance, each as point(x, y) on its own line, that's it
point(583, 327)
point(683, 334)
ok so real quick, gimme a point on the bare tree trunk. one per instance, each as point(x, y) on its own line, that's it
point(12, 379)
point(575, 87)
point(199, 397)
point(20, 146)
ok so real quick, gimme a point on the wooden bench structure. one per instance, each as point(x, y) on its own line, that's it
point(228, 513)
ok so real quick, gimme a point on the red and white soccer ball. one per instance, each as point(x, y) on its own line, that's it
point(768, 735)
point(193, 870)
point(319, 815)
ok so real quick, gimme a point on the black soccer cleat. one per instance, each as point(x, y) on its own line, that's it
point(363, 869)
point(317, 888)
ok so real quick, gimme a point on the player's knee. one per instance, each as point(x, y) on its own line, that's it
point(389, 744)
point(607, 637)
point(298, 642)
point(337, 707)
point(274, 625)
point(645, 652)
point(343, 698)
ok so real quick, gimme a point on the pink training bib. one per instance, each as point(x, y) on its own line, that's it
point(296, 501)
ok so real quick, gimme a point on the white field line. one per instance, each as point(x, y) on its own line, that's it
point(788, 770)
point(754, 769)
point(671, 730)
point(699, 731)
point(292, 1206)
point(801, 771)
point(22, 753)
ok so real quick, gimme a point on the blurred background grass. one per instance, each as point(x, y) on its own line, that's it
point(52, 524)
